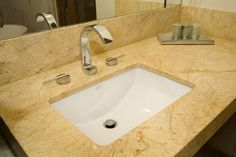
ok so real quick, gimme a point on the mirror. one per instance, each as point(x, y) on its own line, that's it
point(19, 17)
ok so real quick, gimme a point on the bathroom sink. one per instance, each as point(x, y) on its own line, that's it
point(9, 146)
point(10, 31)
point(110, 109)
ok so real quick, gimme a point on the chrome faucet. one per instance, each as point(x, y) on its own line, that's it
point(104, 35)
point(1, 19)
point(49, 18)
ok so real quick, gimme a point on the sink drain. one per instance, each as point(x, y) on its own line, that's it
point(110, 124)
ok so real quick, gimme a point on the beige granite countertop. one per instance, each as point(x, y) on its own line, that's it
point(179, 130)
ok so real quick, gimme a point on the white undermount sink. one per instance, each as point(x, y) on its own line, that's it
point(128, 99)
point(11, 30)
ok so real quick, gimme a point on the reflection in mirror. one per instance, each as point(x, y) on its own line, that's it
point(18, 17)
point(48, 18)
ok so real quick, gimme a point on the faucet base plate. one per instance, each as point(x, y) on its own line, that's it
point(90, 69)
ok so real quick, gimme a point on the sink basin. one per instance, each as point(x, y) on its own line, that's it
point(10, 31)
point(9, 146)
point(110, 109)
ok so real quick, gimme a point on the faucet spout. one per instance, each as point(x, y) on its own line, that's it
point(49, 18)
point(104, 35)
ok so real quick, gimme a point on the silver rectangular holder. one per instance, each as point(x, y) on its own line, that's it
point(167, 39)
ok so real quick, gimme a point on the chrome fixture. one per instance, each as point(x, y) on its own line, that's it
point(104, 35)
point(1, 19)
point(110, 124)
point(167, 39)
point(111, 61)
point(49, 18)
point(60, 79)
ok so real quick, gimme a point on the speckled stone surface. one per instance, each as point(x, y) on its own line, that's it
point(123, 7)
point(179, 130)
point(25, 56)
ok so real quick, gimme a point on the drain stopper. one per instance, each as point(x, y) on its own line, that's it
point(110, 124)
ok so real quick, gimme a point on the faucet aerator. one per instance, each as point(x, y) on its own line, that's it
point(107, 41)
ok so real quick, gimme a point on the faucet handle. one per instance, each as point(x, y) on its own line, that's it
point(60, 79)
point(111, 61)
